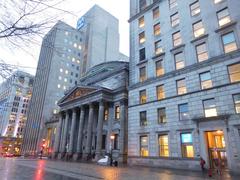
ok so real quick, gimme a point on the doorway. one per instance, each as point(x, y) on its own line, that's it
point(216, 149)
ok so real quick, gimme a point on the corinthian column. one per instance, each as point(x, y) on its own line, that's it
point(99, 129)
point(80, 130)
point(64, 141)
point(56, 147)
point(74, 117)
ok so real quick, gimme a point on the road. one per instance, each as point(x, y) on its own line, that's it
point(34, 169)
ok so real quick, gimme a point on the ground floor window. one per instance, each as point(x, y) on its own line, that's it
point(115, 142)
point(187, 145)
point(144, 146)
point(163, 145)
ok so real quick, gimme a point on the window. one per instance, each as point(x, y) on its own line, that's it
point(234, 72)
point(141, 37)
point(162, 115)
point(181, 87)
point(156, 13)
point(223, 17)
point(163, 145)
point(183, 111)
point(143, 146)
point(158, 47)
point(106, 113)
point(159, 68)
point(143, 96)
point(160, 92)
point(206, 81)
point(187, 145)
point(177, 39)
point(198, 29)
point(142, 72)
point(195, 8)
point(172, 4)
point(229, 42)
point(175, 19)
point(141, 22)
point(143, 118)
point(142, 4)
point(157, 29)
point(179, 60)
point(142, 55)
point(202, 53)
point(115, 142)
point(117, 112)
point(104, 137)
point(217, 1)
point(236, 99)
point(210, 109)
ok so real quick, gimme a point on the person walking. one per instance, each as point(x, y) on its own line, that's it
point(202, 163)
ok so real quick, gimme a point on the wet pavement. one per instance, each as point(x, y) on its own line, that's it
point(32, 169)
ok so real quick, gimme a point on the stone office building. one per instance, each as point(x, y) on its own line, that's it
point(184, 89)
point(92, 112)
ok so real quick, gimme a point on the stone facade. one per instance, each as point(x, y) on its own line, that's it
point(198, 125)
point(92, 112)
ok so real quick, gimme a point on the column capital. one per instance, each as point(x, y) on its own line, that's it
point(74, 110)
point(91, 105)
point(123, 102)
point(101, 102)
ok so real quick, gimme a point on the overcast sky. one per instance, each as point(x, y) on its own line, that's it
point(118, 8)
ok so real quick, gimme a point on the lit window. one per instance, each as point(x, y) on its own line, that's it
point(141, 22)
point(172, 4)
point(66, 33)
point(206, 81)
point(66, 72)
point(156, 13)
point(159, 68)
point(142, 72)
point(157, 29)
point(223, 17)
point(56, 102)
point(163, 145)
point(183, 111)
point(202, 53)
point(158, 47)
point(236, 99)
point(59, 86)
point(61, 70)
point(144, 146)
point(79, 47)
point(179, 60)
point(198, 29)
point(65, 79)
point(181, 87)
point(162, 115)
point(106, 113)
point(142, 55)
point(160, 92)
point(117, 112)
point(195, 8)
point(141, 37)
point(65, 40)
point(142, 4)
point(210, 109)
point(78, 61)
point(229, 42)
point(64, 88)
point(217, 1)
point(75, 45)
point(177, 39)
point(54, 111)
point(187, 145)
point(234, 72)
point(175, 19)
point(60, 77)
point(143, 118)
point(73, 59)
point(143, 96)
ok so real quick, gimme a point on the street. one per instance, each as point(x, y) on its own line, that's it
point(31, 169)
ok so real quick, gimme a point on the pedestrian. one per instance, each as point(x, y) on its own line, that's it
point(202, 163)
point(41, 153)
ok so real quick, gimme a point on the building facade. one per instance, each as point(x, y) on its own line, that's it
point(93, 115)
point(184, 91)
point(15, 95)
point(66, 54)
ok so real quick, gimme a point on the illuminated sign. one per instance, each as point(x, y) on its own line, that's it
point(186, 138)
point(81, 22)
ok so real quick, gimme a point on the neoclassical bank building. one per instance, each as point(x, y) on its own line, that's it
point(93, 117)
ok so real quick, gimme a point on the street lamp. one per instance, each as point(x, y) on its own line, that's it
point(112, 137)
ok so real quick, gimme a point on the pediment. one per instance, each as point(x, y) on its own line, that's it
point(77, 93)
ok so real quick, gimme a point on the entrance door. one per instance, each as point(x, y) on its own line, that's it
point(216, 149)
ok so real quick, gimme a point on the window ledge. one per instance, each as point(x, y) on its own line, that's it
point(142, 62)
point(177, 47)
point(199, 38)
point(219, 117)
point(229, 25)
point(159, 55)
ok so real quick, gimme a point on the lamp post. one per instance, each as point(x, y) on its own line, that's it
point(112, 137)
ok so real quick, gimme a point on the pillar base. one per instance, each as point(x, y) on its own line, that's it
point(86, 156)
point(77, 156)
point(61, 155)
point(55, 155)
